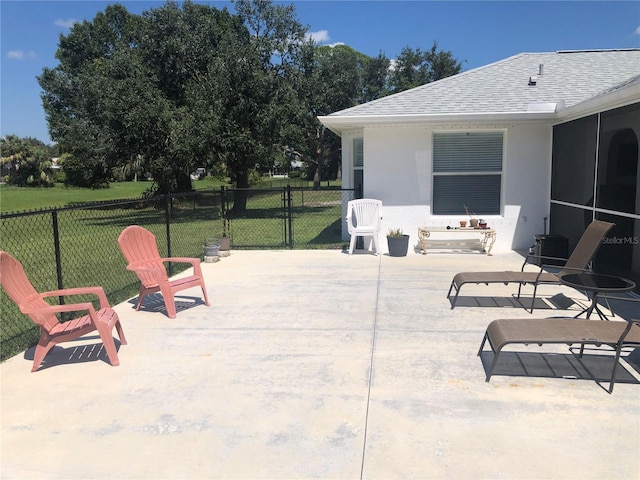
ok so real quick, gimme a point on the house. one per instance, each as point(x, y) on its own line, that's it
point(198, 174)
point(534, 138)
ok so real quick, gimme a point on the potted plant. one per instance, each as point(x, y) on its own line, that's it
point(473, 221)
point(211, 247)
point(397, 242)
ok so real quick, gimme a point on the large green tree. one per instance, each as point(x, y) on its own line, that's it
point(263, 115)
point(87, 97)
point(335, 78)
point(178, 87)
point(340, 77)
point(415, 67)
point(26, 161)
point(184, 86)
point(189, 53)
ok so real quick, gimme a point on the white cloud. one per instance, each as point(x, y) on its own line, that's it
point(21, 55)
point(637, 32)
point(320, 36)
point(68, 23)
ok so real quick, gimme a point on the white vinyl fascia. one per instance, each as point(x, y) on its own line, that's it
point(339, 123)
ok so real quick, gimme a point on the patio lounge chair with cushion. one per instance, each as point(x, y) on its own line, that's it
point(364, 219)
point(579, 261)
point(52, 331)
point(616, 334)
point(139, 247)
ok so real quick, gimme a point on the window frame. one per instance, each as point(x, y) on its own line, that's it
point(457, 172)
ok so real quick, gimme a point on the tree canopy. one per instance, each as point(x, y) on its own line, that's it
point(26, 161)
point(186, 86)
point(415, 67)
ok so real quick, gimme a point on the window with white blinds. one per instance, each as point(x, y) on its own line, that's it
point(358, 153)
point(467, 170)
point(358, 167)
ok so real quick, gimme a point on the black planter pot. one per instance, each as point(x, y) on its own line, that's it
point(398, 246)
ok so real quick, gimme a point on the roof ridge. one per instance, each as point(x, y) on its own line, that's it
point(425, 85)
point(596, 50)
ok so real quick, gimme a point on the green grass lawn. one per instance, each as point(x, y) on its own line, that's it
point(17, 199)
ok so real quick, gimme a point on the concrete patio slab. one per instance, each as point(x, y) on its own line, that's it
point(316, 364)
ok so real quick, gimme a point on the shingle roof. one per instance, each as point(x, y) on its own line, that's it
point(568, 77)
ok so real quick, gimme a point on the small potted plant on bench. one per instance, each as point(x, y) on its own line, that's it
point(397, 242)
point(473, 221)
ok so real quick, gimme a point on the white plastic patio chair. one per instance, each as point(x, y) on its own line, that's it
point(364, 219)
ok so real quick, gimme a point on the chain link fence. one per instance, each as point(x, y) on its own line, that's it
point(77, 245)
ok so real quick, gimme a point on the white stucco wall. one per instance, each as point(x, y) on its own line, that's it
point(397, 170)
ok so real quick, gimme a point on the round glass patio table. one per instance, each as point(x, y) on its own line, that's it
point(596, 283)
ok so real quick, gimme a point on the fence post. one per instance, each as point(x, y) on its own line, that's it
point(56, 248)
point(223, 202)
point(290, 215)
point(167, 216)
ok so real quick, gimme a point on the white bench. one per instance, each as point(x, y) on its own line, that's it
point(487, 236)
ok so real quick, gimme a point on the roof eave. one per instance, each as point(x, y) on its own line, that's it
point(339, 123)
point(608, 101)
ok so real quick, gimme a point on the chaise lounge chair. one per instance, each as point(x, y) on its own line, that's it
point(616, 334)
point(578, 261)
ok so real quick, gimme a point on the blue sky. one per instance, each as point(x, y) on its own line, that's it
point(476, 32)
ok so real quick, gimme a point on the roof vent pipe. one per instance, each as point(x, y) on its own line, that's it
point(540, 68)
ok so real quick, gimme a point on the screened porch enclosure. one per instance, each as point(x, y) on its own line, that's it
point(595, 176)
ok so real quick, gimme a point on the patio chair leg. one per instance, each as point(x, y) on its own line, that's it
point(533, 299)
point(493, 365)
point(121, 336)
point(495, 355)
point(140, 298)
point(618, 352)
point(612, 381)
point(42, 348)
point(204, 294)
point(455, 299)
point(484, 340)
point(374, 238)
point(352, 244)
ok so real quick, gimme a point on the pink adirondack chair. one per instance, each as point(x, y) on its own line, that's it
point(52, 332)
point(139, 247)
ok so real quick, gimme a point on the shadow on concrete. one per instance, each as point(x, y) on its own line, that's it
point(155, 303)
point(556, 302)
point(69, 354)
point(595, 366)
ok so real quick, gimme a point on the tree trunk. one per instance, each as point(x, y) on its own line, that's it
point(240, 195)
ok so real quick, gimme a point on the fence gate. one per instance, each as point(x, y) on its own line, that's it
point(259, 218)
